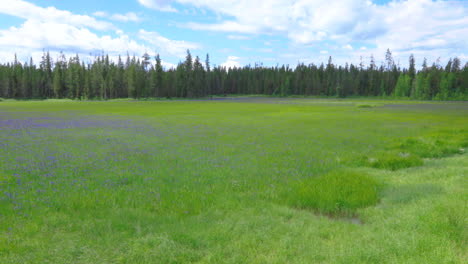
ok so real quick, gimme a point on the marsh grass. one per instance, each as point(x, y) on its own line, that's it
point(410, 152)
point(433, 147)
point(219, 182)
point(5, 179)
point(336, 193)
point(392, 161)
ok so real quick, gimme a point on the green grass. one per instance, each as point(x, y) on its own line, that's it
point(241, 181)
point(335, 193)
point(392, 161)
point(434, 148)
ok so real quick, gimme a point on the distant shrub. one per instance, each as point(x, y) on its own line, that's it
point(1, 99)
point(365, 106)
point(339, 192)
point(394, 161)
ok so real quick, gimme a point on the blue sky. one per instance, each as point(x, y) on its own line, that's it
point(237, 32)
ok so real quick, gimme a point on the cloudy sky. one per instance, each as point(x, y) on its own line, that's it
point(237, 32)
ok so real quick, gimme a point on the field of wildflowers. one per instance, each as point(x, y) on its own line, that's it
point(223, 181)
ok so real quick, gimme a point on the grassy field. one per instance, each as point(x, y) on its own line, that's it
point(247, 180)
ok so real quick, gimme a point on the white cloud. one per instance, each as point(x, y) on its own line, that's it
point(348, 47)
point(100, 14)
point(265, 50)
point(164, 45)
point(128, 17)
point(161, 5)
point(30, 11)
point(411, 26)
point(231, 62)
point(36, 35)
point(226, 26)
point(238, 37)
point(56, 30)
point(303, 21)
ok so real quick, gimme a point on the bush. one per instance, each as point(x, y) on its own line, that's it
point(364, 106)
point(340, 192)
point(367, 105)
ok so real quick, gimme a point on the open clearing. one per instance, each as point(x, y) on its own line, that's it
point(233, 181)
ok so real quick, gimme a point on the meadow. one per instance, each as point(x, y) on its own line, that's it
point(242, 180)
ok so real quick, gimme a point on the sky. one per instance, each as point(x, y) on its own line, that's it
point(237, 32)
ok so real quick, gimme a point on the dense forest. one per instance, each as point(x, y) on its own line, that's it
point(144, 77)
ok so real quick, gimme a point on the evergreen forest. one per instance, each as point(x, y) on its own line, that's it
point(145, 77)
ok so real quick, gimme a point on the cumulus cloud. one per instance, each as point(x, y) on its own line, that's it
point(57, 36)
point(29, 11)
point(238, 37)
point(62, 31)
point(59, 30)
point(423, 24)
point(226, 26)
point(303, 21)
point(412, 26)
point(128, 17)
point(231, 62)
point(173, 47)
point(161, 5)
point(348, 47)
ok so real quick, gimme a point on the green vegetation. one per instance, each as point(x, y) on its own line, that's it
point(338, 192)
point(244, 180)
point(365, 106)
point(134, 77)
point(393, 161)
point(430, 148)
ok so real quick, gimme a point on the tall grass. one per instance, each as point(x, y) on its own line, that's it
point(337, 193)
point(392, 161)
point(230, 182)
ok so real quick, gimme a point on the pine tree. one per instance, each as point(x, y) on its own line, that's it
point(208, 75)
point(372, 78)
point(188, 67)
point(132, 78)
point(145, 60)
point(59, 76)
point(331, 82)
point(159, 76)
point(403, 85)
point(389, 65)
point(198, 78)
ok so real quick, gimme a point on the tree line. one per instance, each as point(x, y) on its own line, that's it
point(144, 77)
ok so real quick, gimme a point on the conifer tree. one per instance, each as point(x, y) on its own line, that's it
point(159, 76)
